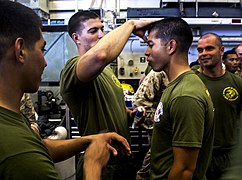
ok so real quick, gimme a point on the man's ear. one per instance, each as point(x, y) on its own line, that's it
point(75, 37)
point(19, 48)
point(172, 46)
point(222, 50)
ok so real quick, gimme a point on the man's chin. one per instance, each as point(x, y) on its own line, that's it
point(157, 69)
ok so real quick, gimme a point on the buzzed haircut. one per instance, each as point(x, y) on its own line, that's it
point(76, 21)
point(218, 38)
point(174, 28)
point(17, 20)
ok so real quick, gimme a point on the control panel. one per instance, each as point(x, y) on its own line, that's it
point(131, 65)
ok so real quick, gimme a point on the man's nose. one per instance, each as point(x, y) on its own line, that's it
point(147, 53)
point(100, 34)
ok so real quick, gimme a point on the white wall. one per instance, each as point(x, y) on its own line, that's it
point(114, 5)
point(105, 4)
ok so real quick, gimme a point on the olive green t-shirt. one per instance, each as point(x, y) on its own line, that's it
point(22, 154)
point(184, 118)
point(226, 94)
point(97, 105)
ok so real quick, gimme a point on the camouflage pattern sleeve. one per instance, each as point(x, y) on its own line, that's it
point(238, 72)
point(27, 108)
point(150, 90)
point(149, 93)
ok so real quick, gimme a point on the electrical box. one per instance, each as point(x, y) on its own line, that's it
point(41, 7)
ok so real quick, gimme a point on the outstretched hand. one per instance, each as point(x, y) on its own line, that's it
point(109, 137)
point(98, 152)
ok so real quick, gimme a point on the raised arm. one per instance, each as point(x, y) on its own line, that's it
point(91, 64)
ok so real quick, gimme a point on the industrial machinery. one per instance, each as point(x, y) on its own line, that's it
point(50, 112)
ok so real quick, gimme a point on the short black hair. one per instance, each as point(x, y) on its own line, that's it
point(174, 28)
point(226, 53)
point(17, 20)
point(76, 21)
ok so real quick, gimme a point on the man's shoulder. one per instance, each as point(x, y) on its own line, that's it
point(234, 77)
point(191, 78)
point(190, 86)
point(71, 62)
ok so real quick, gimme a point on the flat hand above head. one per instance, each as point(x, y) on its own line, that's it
point(141, 26)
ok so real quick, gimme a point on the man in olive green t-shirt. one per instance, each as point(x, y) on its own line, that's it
point(23, 154)
point(92, 91)
point(226, 90)
point(182, 140)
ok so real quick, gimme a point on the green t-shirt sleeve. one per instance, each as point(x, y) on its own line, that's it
point(28, 166)
point(188, 116)
point(68, 78)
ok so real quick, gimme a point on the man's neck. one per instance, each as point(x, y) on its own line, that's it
point(11, 105)
point(10, 98)
point(177, 66)
point(81, 51)
point(174, 73)
point(214, 72)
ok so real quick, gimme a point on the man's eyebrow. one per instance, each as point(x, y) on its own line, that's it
point(206, 47)
point(95, 28)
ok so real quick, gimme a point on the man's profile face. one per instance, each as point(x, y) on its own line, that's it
point(34, 65)
point(156, 53)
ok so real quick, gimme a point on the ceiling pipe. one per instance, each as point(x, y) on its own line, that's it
point(101, 4)
point(181, 9)
point(196, 8)
point(76, 9)
point(92, 3)
point(117, 8)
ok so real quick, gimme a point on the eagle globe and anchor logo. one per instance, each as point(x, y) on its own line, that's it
point(230, 93)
